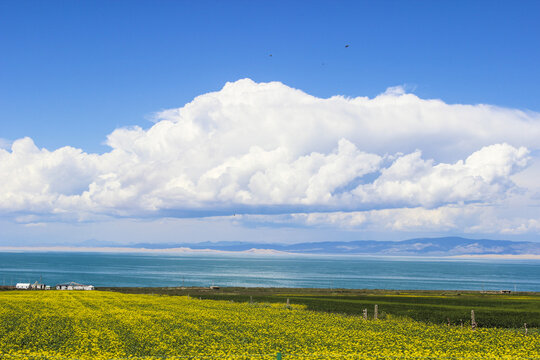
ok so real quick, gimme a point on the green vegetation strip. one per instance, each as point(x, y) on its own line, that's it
point(491, 310)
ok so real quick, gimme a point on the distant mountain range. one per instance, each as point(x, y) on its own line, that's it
point(443, 246)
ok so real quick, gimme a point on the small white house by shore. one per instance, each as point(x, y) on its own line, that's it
point(39, 286)
point(74, 286)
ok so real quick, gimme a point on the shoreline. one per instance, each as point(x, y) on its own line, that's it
point(283, 291)
point(256, 251)
point(182, 250)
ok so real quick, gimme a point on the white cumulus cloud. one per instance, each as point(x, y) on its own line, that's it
point(265, 147)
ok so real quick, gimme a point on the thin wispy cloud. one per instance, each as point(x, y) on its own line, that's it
point(4, 143)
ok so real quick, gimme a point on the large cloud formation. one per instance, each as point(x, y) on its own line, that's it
point(265, 148)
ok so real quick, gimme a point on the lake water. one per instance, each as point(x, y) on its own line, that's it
point(109, 269)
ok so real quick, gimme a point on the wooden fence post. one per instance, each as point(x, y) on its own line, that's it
point(251, 299)
point(288, 304)
point(525, 325)
point(376, 313)
point(473, 320)
point(364, 313)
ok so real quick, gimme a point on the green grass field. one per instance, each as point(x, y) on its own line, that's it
point(439, 307)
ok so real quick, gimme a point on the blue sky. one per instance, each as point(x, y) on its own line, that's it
point(73, 71)
point(82, 74)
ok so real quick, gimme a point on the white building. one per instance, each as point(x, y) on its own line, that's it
point(22, 286)
point(74, 286)
point(38, 286)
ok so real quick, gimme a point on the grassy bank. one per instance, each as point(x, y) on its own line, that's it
point(438, 307)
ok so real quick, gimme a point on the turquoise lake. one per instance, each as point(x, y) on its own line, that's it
point(110, 269)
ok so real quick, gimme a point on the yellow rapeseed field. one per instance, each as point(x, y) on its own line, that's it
point(103, 325)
